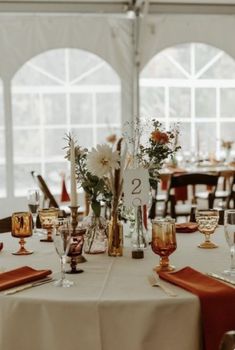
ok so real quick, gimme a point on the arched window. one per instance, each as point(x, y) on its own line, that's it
point(60, 91)
point(2, 147)
point(193, 84)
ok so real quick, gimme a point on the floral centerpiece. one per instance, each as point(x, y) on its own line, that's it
point(100, 173)
point(151, 153)
point(108, 164)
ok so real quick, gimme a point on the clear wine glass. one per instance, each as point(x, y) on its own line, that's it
point(62, 232)
point(229, 230)
point(163, 242)
point(33, 197)
point(207, 221)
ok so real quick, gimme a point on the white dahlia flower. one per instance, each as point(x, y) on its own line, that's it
point(102, 160)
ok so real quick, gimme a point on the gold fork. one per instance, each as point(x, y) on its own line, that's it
point(155, 282)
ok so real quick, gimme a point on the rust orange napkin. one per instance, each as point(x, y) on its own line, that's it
point(186, 227)
point(20, 276)
point(217, 303)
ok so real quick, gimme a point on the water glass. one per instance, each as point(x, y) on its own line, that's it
point(62, 232)
point(229, 230)
point(207, 221)
point(163, 242)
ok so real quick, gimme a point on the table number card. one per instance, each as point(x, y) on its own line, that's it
point(136, 187)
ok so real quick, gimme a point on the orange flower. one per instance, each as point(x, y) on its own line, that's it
point(159, 137)
point(111, 138)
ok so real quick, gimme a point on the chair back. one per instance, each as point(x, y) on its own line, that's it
point(231, 195)
point(191, 179)
point(5, 224)
point(47, 195)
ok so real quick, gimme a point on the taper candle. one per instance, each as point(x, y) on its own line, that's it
point(73, 192)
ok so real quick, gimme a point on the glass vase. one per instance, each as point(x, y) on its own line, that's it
point(139, 240)
point(115, 236)
point(96, 234)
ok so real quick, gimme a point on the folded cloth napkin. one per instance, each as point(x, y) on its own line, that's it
point(20, 276)
point(217, 303)
point(186, 227)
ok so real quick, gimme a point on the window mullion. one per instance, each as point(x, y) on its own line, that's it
point(9, 138)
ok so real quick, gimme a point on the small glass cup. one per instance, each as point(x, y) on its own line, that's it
point(47, 218)
point(21, 227)
point(163, 242)
point(207, 221)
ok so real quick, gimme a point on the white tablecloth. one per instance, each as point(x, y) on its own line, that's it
point(111, 307)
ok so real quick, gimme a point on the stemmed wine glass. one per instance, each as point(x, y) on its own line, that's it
point(33, 204)
point(163, 242)
point(229, 230)
point(21, 227)
point(207, 221)
point(62, 232)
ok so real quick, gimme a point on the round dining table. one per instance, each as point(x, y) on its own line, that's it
point(112, 305)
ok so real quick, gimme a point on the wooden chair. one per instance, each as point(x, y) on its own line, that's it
point(231, 196)
point(5, 224)
point(193, 180)
point(48, 198)
point(47, 195)
point(222, 193)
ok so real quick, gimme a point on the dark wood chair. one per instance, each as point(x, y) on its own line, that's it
point(48, 198)
point(231, 196)
point(47, 195)
point(5, 224)
point(223, 189)
point(189, 180)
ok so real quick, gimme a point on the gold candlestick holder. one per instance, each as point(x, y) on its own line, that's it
point(74, 222)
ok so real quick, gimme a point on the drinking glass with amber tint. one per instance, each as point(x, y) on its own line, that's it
point(47, 218)
point(163, 242)
point(207, 221)
point(21, 227)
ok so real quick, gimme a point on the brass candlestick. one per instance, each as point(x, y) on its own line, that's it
point(74, 216)
point(74, 223)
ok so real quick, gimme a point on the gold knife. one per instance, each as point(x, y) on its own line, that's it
point(221, 278)
point(29, 285)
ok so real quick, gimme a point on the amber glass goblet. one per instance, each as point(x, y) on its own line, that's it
point(207, 221)
point(75, 249)
point(21, 227)
point(47, 218)
point(163, 242)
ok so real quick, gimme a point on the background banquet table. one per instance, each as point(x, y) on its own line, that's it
point(112, 305)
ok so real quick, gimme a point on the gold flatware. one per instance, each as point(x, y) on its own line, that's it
point(155, 282)
point(27, 286)
point(221, 278)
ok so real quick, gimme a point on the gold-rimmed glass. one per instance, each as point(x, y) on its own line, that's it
point(163, 242)
point(47, 218)
point(21, 227)
point(207, 221)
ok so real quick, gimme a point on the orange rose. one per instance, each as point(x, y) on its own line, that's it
point(159, 137)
